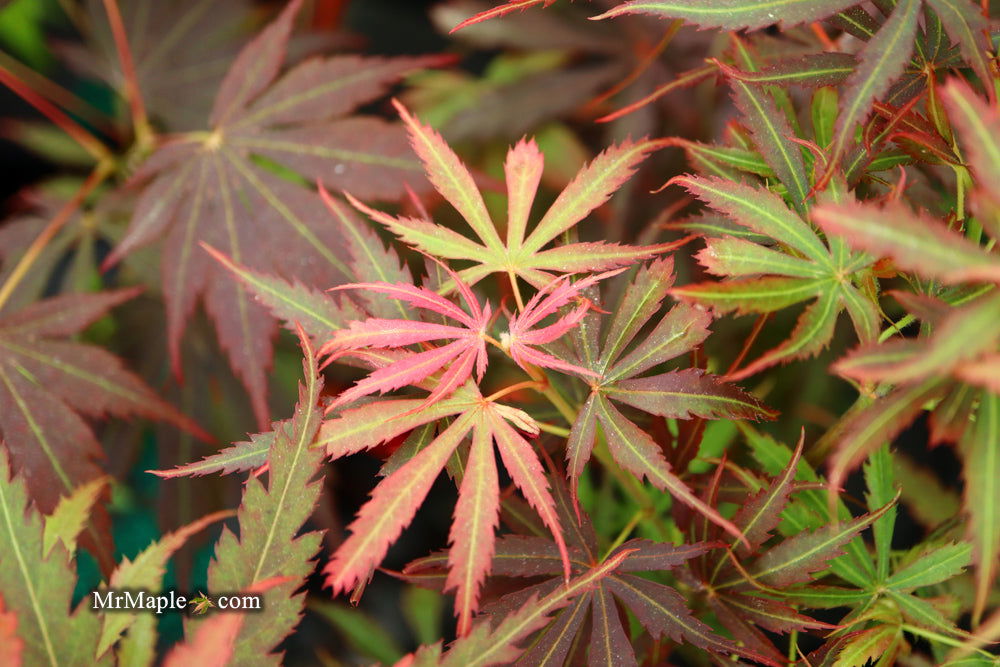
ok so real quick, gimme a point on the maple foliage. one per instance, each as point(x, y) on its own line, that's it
point(532, 426)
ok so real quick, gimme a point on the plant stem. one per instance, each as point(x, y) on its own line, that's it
point(626, 531)
point(95, 178)
point(553, 429)
point(133, 94)
point(88, 141)
point(53, 91)
point(516, 289)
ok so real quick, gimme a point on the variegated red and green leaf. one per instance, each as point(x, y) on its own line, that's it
point(763, 279)
point(522, 255)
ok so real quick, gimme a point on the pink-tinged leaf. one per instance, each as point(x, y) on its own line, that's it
point(734, 257)
point(451, 178)
point(523, 172)
point(981, 453)
point(592, 187)
point(375, 332)
point(545, 302)
point(392, 506)
point(733, 14)
point(978, 126)
point(580, 443)
point(880, 62)
point(496, 12)
point(214, 641)
point(915, 242)
point(963, 335)
point(410, 370)
point(11, 646)
point(474, 527)
point(419, 297)
point(425, 235)
point(688, 393)
point(984, 372)
point(752, 295)
point(524, 468)
point(796, 559)
point(370, 425)
point(488, 645)
point(759, 210)
point(639, 303)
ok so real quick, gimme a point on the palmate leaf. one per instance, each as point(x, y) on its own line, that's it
point(521, 255)
point(216, 187)
point(48, 384)
point(396, 499)
point(37, 589)
point(734, 14)
point(270, 518)
point(492, 645)
point(763, 279)
point(675, 394)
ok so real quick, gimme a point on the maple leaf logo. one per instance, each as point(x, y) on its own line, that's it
point(202, 603)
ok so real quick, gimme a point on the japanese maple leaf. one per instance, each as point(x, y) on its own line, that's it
point(659, 608)
point(395, 500)
point(674, 394)
point(467, 351)
point(764, 279)
point(518, 256)
point(49, 384)
point(211, 187)
point(522, 334)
